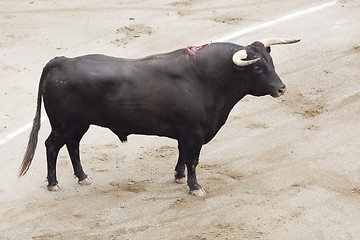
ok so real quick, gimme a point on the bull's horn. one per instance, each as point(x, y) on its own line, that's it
point(239, 56)
point(275, 41)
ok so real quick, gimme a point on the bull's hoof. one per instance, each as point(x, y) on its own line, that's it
point(180, 180)
point(198, 192)
point(53, 188)
point(85, 181)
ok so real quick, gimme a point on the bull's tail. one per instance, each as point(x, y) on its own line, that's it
point(30, 150)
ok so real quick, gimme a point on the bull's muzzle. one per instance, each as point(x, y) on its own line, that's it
point(279, 92)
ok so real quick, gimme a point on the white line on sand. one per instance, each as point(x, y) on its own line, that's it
point(275, 21)
point(19, 131)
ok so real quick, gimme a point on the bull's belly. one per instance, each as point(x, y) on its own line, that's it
point(139, 125)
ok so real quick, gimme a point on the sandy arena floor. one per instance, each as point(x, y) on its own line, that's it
point(285, 168)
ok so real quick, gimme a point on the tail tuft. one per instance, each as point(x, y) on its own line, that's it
point(30, 150)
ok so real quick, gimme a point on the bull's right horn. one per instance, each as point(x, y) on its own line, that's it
point(239, 56)
point(276, 41)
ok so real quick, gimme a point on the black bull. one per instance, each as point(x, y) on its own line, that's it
point(186, 95)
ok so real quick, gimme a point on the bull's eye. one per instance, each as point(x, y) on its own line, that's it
point(258, 70)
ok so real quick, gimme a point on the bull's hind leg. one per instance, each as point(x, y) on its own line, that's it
point(53, 144)
point(180, 167)
point(72, 145)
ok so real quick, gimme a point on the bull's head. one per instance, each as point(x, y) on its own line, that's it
point(258, 63)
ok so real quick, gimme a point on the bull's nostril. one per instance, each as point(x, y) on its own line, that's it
point(282, 90)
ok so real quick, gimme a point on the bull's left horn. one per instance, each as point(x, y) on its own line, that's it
point(239, 56)
point(276, 41)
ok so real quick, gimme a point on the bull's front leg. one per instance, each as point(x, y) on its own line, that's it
point(189, 153)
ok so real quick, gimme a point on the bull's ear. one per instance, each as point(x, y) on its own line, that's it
point(268, 49)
